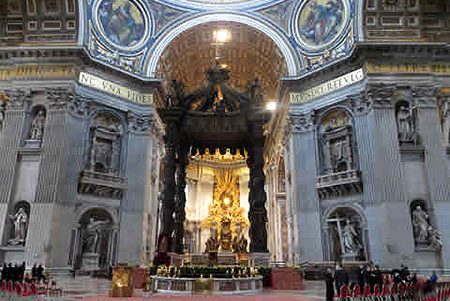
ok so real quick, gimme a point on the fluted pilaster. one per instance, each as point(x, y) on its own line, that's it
point(12, 134)
point(54, 155)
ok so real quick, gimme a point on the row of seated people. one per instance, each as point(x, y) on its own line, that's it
point(10, 289)
point(17, 273)
point(390, 290)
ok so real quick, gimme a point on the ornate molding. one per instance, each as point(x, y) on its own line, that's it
point(102, 184)
point(360, 104)
point(17, 99)
point(80, 106)
point(141, 123)
point(424, 95)
point(59, 98)
point(339, 184)
point(302, 122)
point(381, 94)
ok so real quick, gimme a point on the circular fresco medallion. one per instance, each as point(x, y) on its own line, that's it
point(318, 23)
point(122, 23)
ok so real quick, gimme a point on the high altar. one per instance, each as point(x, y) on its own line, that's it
point(213, 162)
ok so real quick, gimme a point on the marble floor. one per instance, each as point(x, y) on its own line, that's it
point(96, 289)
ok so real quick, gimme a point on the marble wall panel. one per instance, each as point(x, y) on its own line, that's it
point(39, 234)
point(27, 173)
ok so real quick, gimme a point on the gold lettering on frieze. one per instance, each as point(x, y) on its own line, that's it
point(114, 89)
point(36, 72)
point(328, 87)
point(443, 69)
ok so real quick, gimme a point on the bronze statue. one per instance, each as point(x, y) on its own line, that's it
point(212, 244)
point(239, 241)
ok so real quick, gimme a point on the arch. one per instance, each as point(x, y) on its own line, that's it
point(97, 112)
point(329, 110)
point(331, 239)
point(278, 38)
point(352, 206)
point(25, 205)
point(85, 209)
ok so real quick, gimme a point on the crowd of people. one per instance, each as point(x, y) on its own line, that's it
point(369, 275)
point(17, 273)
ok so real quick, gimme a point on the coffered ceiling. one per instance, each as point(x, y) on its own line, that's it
point(248, 54)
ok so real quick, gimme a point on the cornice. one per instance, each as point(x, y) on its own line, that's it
point(364, 51)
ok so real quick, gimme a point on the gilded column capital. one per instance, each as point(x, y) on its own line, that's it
point(17, 99)
point(303, 122)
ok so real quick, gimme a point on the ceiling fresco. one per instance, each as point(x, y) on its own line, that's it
point(131, 35)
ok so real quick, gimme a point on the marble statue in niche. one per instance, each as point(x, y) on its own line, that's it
point(434, 238)
point(425, 235)
point(420, 225)
point(92, 236)
point(336, 138)
point(20, 221)
point(446, 122)
point(345, 236)
point(406, 123)
point(349, 236)
point(37, 126)
point(2, 118)
point(105, 144)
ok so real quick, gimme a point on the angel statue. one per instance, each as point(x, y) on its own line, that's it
point(90, 241)
point(20, 220)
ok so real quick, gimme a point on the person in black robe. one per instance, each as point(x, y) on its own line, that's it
point(378, 277)
point(21, 272)
point(16, 273)
point(34, 272)
point(40, 273)
point(8, 272)
point(341, 278)
point(328, 275)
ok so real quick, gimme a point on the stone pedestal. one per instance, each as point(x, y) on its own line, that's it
point(259, 259)
point(33, 143)
point(90, 262)
point(349, 257)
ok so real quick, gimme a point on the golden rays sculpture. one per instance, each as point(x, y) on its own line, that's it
point(225, 207)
